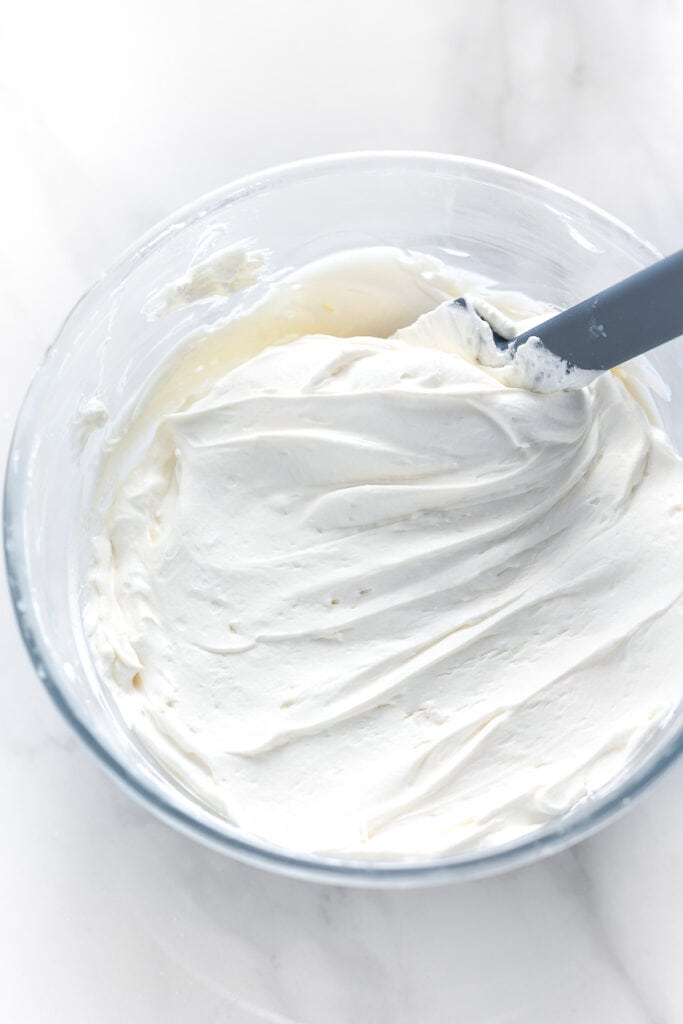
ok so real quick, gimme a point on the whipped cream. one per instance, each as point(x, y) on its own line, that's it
point(364, 594)
point(231, 269)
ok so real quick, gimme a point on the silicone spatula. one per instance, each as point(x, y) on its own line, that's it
point(623, 321)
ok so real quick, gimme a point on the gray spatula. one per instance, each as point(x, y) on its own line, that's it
point(623, 321)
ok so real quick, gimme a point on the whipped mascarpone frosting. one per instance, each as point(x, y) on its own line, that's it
point(365, 594)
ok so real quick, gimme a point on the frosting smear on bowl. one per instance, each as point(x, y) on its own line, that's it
point(365, 594)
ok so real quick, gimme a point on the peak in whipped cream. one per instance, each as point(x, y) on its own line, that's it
point(367, 592)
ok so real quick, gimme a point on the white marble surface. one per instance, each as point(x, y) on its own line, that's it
point(109, 118)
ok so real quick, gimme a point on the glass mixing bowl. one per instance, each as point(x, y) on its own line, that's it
point(520, 231)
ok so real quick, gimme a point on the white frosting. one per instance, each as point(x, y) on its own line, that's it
point(91, 415)
point(229, 270)
point(364, 596)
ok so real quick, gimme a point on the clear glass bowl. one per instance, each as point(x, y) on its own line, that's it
point(515, 229)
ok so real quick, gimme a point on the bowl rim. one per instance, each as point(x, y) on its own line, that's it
point(549, 838)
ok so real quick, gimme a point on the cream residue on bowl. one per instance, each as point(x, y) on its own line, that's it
point(365, 594)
